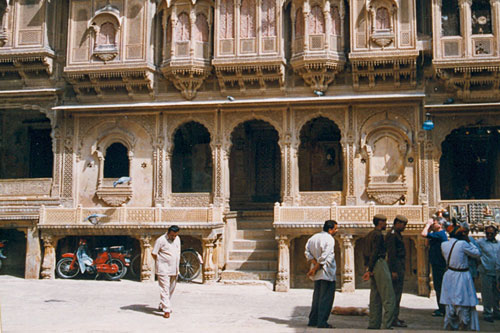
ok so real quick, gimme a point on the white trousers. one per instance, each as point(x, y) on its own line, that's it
point(458, 315)
point(167, 286)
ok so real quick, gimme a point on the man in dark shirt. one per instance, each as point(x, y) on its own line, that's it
point(396, 255)
point(377, 271)
point(436, 236)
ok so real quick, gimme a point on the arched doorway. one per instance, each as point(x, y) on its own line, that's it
point(469, 164)
point(255, 166)
point(320, 156)
point(192, 159)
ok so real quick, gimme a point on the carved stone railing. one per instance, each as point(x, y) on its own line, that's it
point(320, 198)
point(347, 216)
point(190, 199)
point(130, 215)
point(19, 213)
point(25, 187)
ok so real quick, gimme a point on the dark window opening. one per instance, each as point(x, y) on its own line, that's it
point(469, 166)
point(481, 17)
point(41, 158)
point(450, 18)
point(320, 156)
point(116, 162)
point(424, 24)
point(192, 159)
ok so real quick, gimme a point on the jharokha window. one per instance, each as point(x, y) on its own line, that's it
point(247, 26)
point(201, 32)
point(116, 161)
point(182, 31)
point(299, 24)
point(226, 19)
point(481, 17)
point(316, 21)
point(268, 18)
point(335, 16)
point(450, 18)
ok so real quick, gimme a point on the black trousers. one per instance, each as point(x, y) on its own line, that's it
point(324, 293)
point(437, 276)
point(397, 285)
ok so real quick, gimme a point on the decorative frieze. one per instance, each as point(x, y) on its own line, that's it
point(25, 187)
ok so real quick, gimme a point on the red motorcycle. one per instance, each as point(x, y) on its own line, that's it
point(112, 261)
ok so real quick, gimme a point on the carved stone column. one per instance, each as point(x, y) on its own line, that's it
point(158, 171)
point(283, 274)
point(328, 24)
point(495, 17)
point(348, 269)
point(422, 267)
point(305, 11)
point(209, 267)
point(68, 163)
point(148, 263)
point(168, 176)
point(466, 25)
point(49, 257)
point(33, 254)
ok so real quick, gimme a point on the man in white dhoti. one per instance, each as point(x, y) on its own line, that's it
point(167, 254)
point(458, 293)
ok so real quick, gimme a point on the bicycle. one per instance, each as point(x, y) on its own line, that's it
point(190, 266)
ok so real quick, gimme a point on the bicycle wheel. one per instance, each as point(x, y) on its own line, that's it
point(135, 266)
point(190, 265)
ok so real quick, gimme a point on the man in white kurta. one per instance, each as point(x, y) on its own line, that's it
point(167, 254)
point(458, 293)
point(321, 255)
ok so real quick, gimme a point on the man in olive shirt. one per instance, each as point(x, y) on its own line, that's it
point(377, 271)
point(396, 254)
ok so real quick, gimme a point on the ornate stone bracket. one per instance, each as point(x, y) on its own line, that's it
point(387, 194)
point(348, 283)
point(188, 79)
point(283, 274)
point(114, 196)
point(318, 74)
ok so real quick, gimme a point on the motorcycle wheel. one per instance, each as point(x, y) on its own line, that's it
point(122, 269)
point(64, 270)
point(190, 265)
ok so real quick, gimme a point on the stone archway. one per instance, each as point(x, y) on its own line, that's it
point(255, 166)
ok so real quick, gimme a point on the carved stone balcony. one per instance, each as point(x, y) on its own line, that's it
point(25, 65)
point(111, 80)
point(187, 76)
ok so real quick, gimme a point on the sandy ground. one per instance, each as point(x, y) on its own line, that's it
point(128, 306)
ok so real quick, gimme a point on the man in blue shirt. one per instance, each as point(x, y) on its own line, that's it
point(434, 232)
point(489, 247)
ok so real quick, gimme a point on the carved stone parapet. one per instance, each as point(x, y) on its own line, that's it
point(49, 257)
point(283, 274)
point(209, 267)
point(114, 196)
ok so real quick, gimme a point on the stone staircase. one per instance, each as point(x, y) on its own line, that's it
point(253, 255)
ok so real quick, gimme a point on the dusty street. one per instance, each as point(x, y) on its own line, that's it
point(127, 306)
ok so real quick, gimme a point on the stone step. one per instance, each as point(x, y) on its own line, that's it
point(246, 224)
point(255, 234)
point(269, 284)
point(231, 275)
point(259, 244)
point(252, 265)
point(253, 255)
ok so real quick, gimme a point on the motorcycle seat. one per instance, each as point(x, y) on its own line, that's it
point(101, 249)
point(119, 248)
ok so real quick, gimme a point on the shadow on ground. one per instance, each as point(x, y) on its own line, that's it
point(417, 319)
point(144, 308)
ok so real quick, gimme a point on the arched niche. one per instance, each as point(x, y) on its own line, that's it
point(320, 156)
point(386, 145)
point(383, 21)
point(105, 27)
point(191, 159)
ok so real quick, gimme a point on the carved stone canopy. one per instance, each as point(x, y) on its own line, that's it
point(114, 196)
